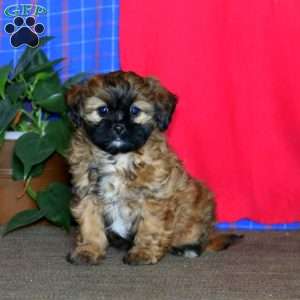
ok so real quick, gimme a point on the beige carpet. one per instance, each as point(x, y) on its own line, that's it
point(263, 266)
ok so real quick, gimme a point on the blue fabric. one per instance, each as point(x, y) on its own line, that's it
point(86, 34)
point(246, 224)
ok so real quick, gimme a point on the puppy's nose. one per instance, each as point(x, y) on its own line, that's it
point(118, 128)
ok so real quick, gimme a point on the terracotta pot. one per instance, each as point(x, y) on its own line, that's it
point(12, 196)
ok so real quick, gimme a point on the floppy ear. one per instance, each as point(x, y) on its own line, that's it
point(74, 98)
point(165, 103)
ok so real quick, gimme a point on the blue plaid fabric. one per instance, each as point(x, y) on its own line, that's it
point(248, 225)
point(86, 35)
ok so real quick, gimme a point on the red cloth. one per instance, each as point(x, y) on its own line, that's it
point(235, 66)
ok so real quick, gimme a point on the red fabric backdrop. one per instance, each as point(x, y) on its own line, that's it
point(235, 66)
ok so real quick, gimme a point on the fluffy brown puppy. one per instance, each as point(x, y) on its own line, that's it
point(131, 190)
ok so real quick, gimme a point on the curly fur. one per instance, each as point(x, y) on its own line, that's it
point(141, 197)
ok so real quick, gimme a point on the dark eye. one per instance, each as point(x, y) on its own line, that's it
point(103, 110)
point(134, 110)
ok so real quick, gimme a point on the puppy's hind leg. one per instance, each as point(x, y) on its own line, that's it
point(92, 242)
point(192, 241)
point(194, 224)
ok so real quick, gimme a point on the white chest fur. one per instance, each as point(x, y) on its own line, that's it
point(116, 196)
point(119, 222)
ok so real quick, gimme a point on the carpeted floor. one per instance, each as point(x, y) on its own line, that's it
point(263, 266)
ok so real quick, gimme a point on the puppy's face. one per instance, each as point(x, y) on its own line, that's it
point(120, 110)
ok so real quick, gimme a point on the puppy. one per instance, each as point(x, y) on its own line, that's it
point(131, 191)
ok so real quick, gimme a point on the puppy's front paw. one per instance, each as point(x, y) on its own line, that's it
point(85, 255)
point(140, 257)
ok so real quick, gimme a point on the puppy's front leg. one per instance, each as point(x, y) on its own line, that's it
point(153, 237)
point(92, 241)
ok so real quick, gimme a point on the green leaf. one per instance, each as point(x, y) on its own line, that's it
point(18, 169)
point(28, 56)
point(55, 204)
point(2, 138)
point(22, 219)
point(45, 88)
point(59, 133)
point(15, 90)
point(7, 113)
point(43, 76)
point(54, 103)
point(45, 67)
point(38, 59)
point(33, 149)
point(76, 79)
point(49, 95)
point(4, 71)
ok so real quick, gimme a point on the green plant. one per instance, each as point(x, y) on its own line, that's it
point(31, 94)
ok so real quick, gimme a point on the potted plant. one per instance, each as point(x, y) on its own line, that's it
point(34, 134)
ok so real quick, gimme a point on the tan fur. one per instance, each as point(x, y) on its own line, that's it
point(90, 107)
point(92, 241)
point(148, 189)
point(146, 114)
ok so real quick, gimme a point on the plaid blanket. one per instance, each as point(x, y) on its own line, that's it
point(86, 32)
